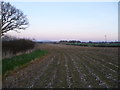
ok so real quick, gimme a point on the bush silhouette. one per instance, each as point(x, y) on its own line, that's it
point(15, 46)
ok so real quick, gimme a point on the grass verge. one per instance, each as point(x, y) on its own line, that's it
point(9, 64)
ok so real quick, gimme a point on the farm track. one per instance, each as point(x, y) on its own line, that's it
point(68, 67)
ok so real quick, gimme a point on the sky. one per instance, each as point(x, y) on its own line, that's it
point(84, 21)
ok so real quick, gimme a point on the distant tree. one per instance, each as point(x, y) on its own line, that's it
point(90, 41)
point(72, 41)
point(78, 41)
point(63, 41)
point(12, 18)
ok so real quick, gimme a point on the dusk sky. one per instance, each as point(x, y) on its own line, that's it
point(84, 21)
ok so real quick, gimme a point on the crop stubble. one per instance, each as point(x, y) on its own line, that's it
point(69, 67)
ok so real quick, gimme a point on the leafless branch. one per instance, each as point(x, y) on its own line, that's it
point(12, 18)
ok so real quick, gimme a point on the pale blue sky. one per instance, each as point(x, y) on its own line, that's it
point(70, 20)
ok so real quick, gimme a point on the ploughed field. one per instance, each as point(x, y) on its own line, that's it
point(68, 67)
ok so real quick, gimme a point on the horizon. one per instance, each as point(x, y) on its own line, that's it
point(55, 21)
point(72, 40)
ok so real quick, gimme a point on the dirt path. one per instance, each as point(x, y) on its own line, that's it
point(69, 67)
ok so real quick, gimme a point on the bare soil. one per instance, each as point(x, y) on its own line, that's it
point(68, 67)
